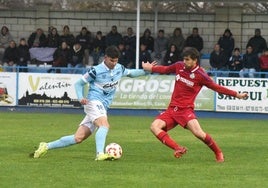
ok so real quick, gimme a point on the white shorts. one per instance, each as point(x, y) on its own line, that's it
point(93, 110)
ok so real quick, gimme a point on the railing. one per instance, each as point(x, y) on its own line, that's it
point(47, 68)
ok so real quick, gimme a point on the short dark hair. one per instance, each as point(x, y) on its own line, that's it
point(192, 52)
point(112, 52)
point(237, 49)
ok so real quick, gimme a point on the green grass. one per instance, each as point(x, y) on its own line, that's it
point(145, 162)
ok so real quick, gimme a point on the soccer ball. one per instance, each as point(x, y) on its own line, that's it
point(114, 150)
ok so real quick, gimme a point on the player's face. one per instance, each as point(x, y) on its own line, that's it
point(189, 62)
point(110, 62)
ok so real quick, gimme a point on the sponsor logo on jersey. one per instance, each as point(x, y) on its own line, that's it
point(184, 80)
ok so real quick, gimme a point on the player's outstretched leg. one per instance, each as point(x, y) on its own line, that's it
point(214, 147)
point(62, 142)
point(168, 141)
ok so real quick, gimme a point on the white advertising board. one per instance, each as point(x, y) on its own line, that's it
point(8, 88)
point(257, 101)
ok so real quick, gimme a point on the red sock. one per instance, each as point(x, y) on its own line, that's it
point(165, 139)
point(212, 144)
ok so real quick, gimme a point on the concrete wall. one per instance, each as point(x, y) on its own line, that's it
point(211, 26)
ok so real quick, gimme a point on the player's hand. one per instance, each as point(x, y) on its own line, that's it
point(83, 101)
point(148, 66)
point(242, 95)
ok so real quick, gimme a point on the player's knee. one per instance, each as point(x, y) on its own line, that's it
point(155, 127)
point(200, 135)
point(79, 140)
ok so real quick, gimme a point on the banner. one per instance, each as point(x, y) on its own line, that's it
point(8, 88)
point(257, 100)
point(154, 92)
point(55, 90)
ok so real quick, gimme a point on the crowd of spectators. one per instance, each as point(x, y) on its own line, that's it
point(73, 52)
point(226, 60)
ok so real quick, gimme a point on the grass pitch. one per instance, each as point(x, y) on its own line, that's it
point(145, 162)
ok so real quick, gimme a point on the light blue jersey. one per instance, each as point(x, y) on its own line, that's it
point(103, 82)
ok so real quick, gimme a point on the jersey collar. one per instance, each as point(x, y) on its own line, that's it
point(193, 69)
point(105, 66)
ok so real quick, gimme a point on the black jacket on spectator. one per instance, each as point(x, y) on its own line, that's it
point(99, 45)
point(144, 57)
point(194, 41)
point(11, 54)
point(218, 60)
point(77, 56)
point(251, 61)
point(171, 57)
point(258, 43)
point(42, 40)
point(61, 57)
point(235, 66)
point(85, 41)
point(227, 44)
point(148, 40)
point(127, 58)
point(113, 39)
point(23, 55)
point(69, 39)
point(53, 41)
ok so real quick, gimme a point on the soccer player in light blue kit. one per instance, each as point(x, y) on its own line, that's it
point(103, 80)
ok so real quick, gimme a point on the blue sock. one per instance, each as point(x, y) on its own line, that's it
point(62, 142)
point(100, 138)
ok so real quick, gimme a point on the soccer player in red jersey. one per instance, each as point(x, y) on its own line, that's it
point(190, 78)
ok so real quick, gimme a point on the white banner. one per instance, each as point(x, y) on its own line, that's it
point(8, 87)
point(257, 100)
point(154, 92)
point(37, 89)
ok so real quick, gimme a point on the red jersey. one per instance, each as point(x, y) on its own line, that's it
point(264, 62)
point(189, 83)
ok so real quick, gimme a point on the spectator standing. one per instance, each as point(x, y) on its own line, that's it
point(130, 39)
point(77, 56)
point(177, 39)
point(113, 37)
point(160, 47)
point(61, 57)
point(172, 55)
point(10, 58)
point(99, 46)
point(235, 63)
point(144, 56)
point(67, 36)
point(148, 40)
point(23, 55)
point(264, 63)
point(85, 40)
point(195, 40)
point(37, 39)
point(5, 38)
point(226, 42)
point(250, 63)
point(257, 42)
point(53, 38)
point(218, 61)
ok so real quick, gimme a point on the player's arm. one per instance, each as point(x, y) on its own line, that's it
point(132, 73)
point(79, 87)
point(223, 90)
point(154, 68)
